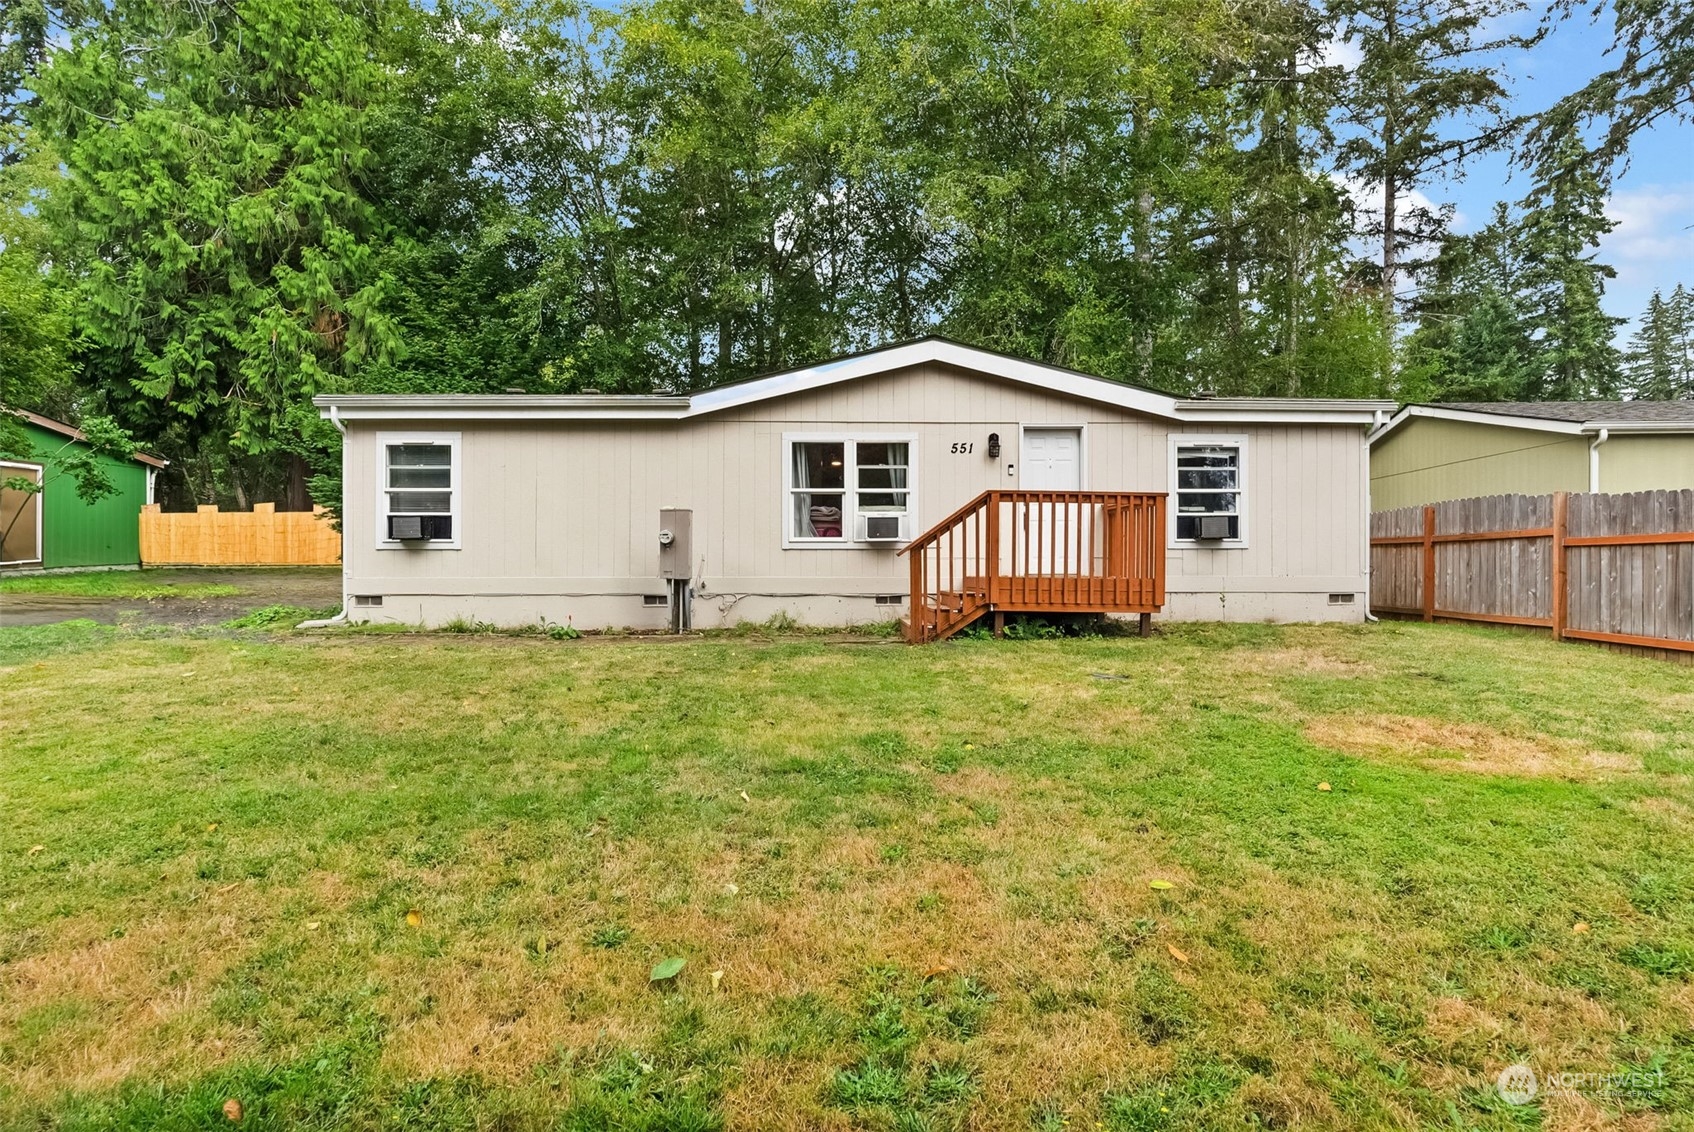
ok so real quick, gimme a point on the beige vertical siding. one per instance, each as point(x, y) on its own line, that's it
point(1647, 463)
point(560, 519)
point(1427, 460)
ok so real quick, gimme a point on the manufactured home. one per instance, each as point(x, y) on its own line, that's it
point(929, 481)
point(1458, 450)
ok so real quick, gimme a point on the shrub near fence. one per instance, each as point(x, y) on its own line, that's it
point(260, 537)
point(1612, 568)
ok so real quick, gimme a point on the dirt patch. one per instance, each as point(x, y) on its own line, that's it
point(308, 588)
point(1465, 746)
point(1312, 661)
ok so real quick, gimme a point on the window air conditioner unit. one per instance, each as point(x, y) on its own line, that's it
point(882, 528)
point(1214, 527)
point(419, 528)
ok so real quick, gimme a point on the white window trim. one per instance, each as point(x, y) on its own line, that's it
point(1243, 489)
point(454, 442)
point(849, 490)
point(40, 470)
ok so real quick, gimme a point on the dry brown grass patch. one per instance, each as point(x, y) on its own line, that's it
point(125, 1000)
point(1311, 661)
point(1470, 747)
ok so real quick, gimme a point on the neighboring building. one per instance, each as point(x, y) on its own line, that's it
point(1457, 450)
point(55, 528)
point(805, 485)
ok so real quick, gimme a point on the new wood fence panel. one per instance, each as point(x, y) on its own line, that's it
point(1611, 568)
point(260, 537)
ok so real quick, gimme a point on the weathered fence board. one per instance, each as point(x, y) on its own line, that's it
point(1612, 568)
point(260, 537)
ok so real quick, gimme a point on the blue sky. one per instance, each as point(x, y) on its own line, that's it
point(1652, 200)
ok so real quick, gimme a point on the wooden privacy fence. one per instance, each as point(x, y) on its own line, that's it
point(263, 536)
point(1612, 568)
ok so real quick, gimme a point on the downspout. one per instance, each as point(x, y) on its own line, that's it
point(1377, 418)
point(1594, 460)
point(346, 602)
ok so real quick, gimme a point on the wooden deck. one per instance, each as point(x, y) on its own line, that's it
point(1038, 552)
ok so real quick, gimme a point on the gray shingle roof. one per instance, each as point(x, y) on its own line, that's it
point(1667, 412)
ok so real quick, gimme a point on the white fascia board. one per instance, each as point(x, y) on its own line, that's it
point(497, 407)
point(1035, 374)
point(1292, 411)
point(1466, 416)
point(1668, 427)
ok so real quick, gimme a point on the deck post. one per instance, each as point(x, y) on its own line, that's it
point(1064, 567)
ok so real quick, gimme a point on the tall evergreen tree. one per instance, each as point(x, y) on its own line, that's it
point(1651, 79)
point(1647, 364)
point(1473, 340)
point(215, 207)
point(1656, 366)
point(1564, 281)
point(1428, 92)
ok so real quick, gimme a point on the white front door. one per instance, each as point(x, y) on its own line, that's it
point(1053, 535)
point(1052, 459)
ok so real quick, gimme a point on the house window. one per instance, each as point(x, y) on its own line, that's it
point(843, 490)
point(418, 502)
point(1209, 489)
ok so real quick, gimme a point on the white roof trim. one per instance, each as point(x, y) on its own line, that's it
point(499, 407)
point(1532, 424)
point(1038, 375)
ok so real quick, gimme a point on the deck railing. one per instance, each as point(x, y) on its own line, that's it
point(1038, 552)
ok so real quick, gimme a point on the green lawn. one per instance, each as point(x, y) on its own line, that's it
point(982, 885)
point(118, 584)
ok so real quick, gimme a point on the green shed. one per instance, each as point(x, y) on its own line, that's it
point(55, 528)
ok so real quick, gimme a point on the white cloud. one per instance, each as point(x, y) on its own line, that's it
point(1655, 225)
point(1343, 53)
point(1367, 198)
point(1652, 246)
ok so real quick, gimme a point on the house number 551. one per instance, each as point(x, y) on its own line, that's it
point(964, 448)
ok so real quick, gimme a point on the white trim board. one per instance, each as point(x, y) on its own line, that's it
point(40, 471)
point(454, 442)
point(1038, 375)
point(849, 490)
point(1528, 424)
point(1243, 489)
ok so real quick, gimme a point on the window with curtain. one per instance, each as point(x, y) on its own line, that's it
point(833, 484)
point(819, 489)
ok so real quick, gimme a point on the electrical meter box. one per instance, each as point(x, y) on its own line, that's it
point(676, 543)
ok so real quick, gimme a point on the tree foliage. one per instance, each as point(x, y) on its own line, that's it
point(222, 207)
point(215, 208)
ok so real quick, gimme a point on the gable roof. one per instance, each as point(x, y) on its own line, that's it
point(1572, 418)
point(1583, 411)
point(77, 434)
point(885, 359)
